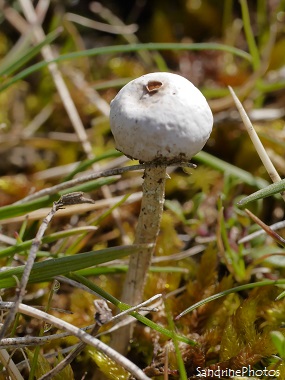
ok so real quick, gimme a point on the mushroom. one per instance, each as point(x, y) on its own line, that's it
point(159, 119)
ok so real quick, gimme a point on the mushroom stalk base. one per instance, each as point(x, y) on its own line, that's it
point(146, 233)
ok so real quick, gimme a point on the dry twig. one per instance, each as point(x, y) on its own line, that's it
point(74, 182)
point(63, 201)
point(84, 337)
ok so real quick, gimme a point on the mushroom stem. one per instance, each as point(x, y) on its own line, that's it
point(146, 233)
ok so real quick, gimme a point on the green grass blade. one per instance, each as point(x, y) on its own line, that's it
point(155, 46)
point(84, 165)
point(48, 269)
point(233, 258)
point(229, 291)
point(122, 306)
point(21, 209)
point(8, 68)
point(274, 188)
point(75, 247)
point(11, 211)
point(279, 342)
point(112, 83)
point(254, 52)
point(180, 362)
point(22, 247)
point(127, 49)
point(225, 167)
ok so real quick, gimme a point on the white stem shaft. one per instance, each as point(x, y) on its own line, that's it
point(146, 233)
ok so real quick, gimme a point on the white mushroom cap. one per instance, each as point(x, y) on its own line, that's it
point(160, 117)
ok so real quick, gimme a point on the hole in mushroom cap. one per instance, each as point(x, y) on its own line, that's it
point(153, 86)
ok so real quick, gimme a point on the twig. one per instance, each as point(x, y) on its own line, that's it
point(37, 121)
point(180, 255)
point(64, 200)
point(269, 231)
point(137, 307)
point(128, 320)
point(36, 341)
point(65, 185)
point(103, 315)
point(30, 341)
point(71, 210)
point(105, 173)
point(87, 338)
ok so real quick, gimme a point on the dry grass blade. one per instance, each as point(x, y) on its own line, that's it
point(266, 228)
point(274, 227)
point(115, 21)
point(256, 142)
point(8, 363)
point(89, 23)
point(66, 99)
point(48, 55)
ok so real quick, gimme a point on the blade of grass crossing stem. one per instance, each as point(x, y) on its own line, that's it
point(122, 306)
point(48, 269)
point(126, 49)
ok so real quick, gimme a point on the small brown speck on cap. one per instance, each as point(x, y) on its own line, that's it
point(153, 86)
